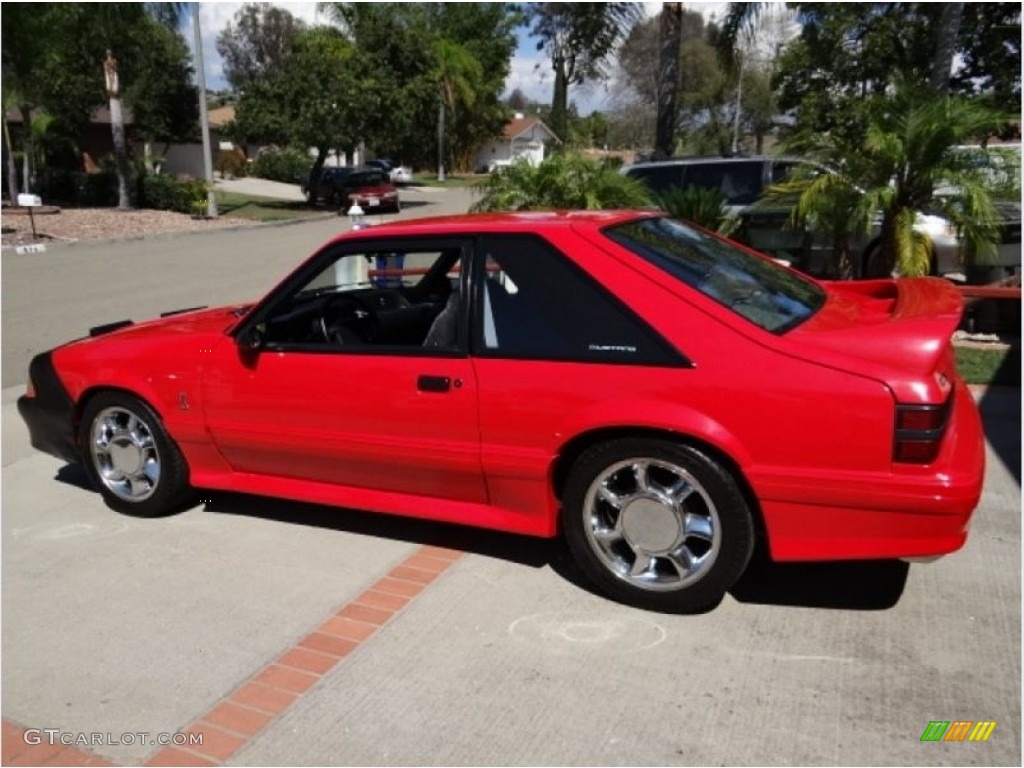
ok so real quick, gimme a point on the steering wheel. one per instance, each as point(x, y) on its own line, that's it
point(346, 319)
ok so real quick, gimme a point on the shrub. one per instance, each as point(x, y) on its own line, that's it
point(704, 207)
point(563, 181)
point(288, 165)
point(165, 193)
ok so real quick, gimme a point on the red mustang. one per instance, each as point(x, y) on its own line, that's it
point(657, 394)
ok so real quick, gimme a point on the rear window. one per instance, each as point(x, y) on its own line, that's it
point(755, 288)
point(367, 179)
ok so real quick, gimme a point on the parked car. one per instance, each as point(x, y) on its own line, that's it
point(344, 186)
point(655, 394)
point(742, 182)
point(328, 185)
point(371, 190)
point(399, 174)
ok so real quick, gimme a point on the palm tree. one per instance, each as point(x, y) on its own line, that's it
point(565, 181)
point(457, 72)
point(904, 165)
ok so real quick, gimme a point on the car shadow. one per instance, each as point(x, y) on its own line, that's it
point(1000, 408)
point(866, 585)
point(523, 550)
point(857, 585)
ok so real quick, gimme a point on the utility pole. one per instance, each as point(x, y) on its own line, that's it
point(211, 198)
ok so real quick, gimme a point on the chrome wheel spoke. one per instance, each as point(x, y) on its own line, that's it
point(683, 561)
point(610, 497)
point(640, 476)
point(681, 490)
point(698, 526)
point(643, 563)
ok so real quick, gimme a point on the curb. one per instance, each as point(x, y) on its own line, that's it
point(173, 234)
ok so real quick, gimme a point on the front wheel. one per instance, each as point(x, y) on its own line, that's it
point(657, 524)
point(130, 458)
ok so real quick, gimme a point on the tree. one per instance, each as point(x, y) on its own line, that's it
point(457, 73)
point(322, 96)
point(257, 43)
point(399, 43)
point(897, 168)
point(847, 52)
point(565, 181)
point(578, 38)
point(671, 40)
point(53, 56)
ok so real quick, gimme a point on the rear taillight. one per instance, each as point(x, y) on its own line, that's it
point(919, 432)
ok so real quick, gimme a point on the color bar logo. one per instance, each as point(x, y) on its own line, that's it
point(958, 730)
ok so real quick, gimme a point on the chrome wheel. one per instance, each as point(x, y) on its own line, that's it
point(125, 454)
point(652, 524)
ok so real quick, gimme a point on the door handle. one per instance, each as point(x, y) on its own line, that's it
point(433, 384)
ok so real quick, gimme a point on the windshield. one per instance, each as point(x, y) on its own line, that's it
point(755, 288)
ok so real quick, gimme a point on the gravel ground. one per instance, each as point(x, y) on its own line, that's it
point(72, 224)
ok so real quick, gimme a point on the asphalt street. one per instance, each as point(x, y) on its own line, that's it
point(114, 624)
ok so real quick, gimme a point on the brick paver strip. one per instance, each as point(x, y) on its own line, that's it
point(246, 711)
point(242, 714)
point(16, 751)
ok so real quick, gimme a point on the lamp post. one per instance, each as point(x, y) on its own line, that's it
point(211, 198)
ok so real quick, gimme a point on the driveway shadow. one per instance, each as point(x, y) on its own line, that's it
point(1000, 408)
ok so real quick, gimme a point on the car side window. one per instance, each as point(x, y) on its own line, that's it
point(392, 298)
point(534, 303)
point(659, 178)
point(740, 182)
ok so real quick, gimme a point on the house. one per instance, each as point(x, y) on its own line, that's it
point(522, 136)
point(97, 139)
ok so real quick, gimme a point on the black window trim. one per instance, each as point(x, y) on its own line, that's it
point(675, 357)
point(339, 249)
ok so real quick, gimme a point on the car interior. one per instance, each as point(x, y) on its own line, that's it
point(387, 299)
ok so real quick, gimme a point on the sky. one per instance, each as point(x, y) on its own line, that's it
point(530, 70)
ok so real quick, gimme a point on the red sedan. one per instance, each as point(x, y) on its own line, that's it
point(660, 396)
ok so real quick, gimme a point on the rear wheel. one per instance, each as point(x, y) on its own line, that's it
point(657, 524)
point(130, 458)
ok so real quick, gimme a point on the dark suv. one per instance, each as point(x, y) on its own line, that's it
point(742, 182)
point(328, 186)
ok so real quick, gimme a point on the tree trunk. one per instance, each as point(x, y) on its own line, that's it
point(440, 139)
point(314, 175)
point(945, 46)
point(12, 169)
point(668, 78)
point(560, 100)
point(124, 200)
point(27, 159)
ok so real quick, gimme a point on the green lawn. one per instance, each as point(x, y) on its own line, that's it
point(233, 205)
point(989, 366)
point(462, 180)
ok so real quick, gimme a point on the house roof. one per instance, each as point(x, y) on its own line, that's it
point(517, 126)
point(99, 116)
point(220, 116)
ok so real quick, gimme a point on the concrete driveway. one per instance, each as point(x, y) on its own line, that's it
point(293, 634)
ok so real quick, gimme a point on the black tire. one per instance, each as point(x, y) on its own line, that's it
point(687, 546)
point(137, 493)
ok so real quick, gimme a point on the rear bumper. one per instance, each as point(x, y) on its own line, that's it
point(50, 414)
point(910, 512)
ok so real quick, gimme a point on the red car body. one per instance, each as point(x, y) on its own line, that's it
point(850, 434)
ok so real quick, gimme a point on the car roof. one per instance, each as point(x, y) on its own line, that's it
point(505, 222)
point(701, 159)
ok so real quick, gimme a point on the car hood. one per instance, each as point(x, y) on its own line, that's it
point(903, 326)
point(187, 321)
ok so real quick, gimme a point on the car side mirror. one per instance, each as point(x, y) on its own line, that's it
point(253, 338)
